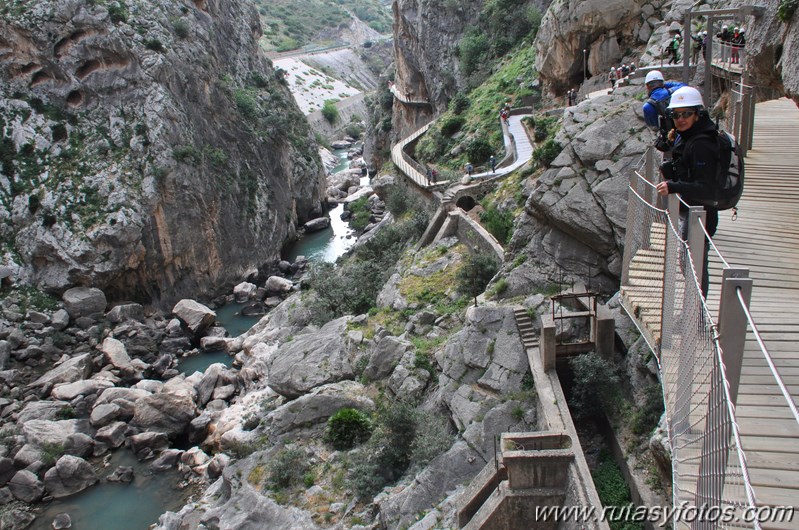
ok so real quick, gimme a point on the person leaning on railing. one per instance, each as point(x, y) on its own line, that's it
point(692, 170)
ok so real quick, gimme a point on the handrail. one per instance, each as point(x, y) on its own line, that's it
point(769, 359)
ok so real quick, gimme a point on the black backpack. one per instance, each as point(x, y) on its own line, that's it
point(729, 173)
point(666, 123)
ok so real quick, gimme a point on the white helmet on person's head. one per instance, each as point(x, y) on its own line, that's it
point(653, 75)
point(686, 96)
point(724, 27)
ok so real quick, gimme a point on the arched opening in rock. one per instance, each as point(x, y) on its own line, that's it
point(39, 78)
point(75, 98)
point(466, 203)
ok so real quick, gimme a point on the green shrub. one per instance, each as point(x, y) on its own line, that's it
point(181, 28)
point(452, 124)
point(330, 111)
point(647, 416)
point(479, 149)
point(353, 130)
point(596, 385)
point(246, 103)
point(118, 12)
point(347, 428)
point(613, 490)
point(286, 468)
point(476, 273)
point(498, 222)
point(399, 201)
point(459, 103)
point(471, 50)
point(547, 153)
point(154, 45)
point(786, 9)
point(360, 213)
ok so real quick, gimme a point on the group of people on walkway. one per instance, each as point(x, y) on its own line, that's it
point(617, 74)
point(734, 40)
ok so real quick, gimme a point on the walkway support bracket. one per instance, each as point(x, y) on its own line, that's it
point(733, 324)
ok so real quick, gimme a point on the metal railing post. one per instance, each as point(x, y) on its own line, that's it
point(711, 32)
point(733, 324)
point(670, 261)
point(687, 44)
point(629, 235)
point(696, 241)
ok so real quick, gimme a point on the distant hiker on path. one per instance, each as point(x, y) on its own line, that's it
point(655, 107)
point(612, 76)
point(493, 162)
point(469, 168)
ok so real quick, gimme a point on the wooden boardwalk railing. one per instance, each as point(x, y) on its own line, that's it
point(765, 240)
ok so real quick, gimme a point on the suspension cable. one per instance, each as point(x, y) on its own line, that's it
point(712, 244)
point(651, 207)
point(768, 358)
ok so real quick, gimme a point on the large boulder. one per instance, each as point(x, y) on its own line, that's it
point(386, 353)
point(314, 409)
point(315, 225)
point(117, 355)
point(72, 370)
point(458, 465)
point(69, 476)
point(244, 291)
point(278, 284)
point(26, 486)
point(86, 387)
point(194, 315)
point(123, 312)
point(312, 359)
point(164, 412)
point(45, 433)
point(84, 301)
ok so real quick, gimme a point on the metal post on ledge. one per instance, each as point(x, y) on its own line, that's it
point(696, 240)
point(687, 44)
point(733, 324)
point(711, 33)
point(670, 261)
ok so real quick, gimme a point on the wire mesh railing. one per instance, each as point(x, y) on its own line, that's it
point(662, 291)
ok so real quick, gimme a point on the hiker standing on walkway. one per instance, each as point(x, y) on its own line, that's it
point(493, 162)
point(692, 171)
point(738, 41)
point(612, 77)
point(655, 108)
point(469, 168)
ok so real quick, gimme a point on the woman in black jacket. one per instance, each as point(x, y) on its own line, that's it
point(693, 169)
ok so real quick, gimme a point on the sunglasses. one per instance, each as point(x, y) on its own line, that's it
point(684, 114)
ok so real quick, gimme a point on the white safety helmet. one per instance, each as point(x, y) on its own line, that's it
point(737, 29)
point(704, 33)
point(741, 30)
point(686, 96)
point(612, 68)
point(653, 75)
point(724, 27)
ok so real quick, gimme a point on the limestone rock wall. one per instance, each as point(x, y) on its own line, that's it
point(147, 147)
point(606, 29)
point(574, 222)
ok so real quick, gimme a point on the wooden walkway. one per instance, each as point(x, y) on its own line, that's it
point(765, 238)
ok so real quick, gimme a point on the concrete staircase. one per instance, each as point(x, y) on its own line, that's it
point(526, 328)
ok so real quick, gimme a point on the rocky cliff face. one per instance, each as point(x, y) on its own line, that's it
point(147, 148)
point(605, 29)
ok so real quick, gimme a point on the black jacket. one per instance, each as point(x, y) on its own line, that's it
point(695, 164)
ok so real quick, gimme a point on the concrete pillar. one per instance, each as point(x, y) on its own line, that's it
point(605, 332)
point(548, 346)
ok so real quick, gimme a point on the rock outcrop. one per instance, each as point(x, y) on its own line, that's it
point(603, 28)
point(148, 149)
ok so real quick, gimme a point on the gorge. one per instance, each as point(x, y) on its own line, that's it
point(155, 167)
